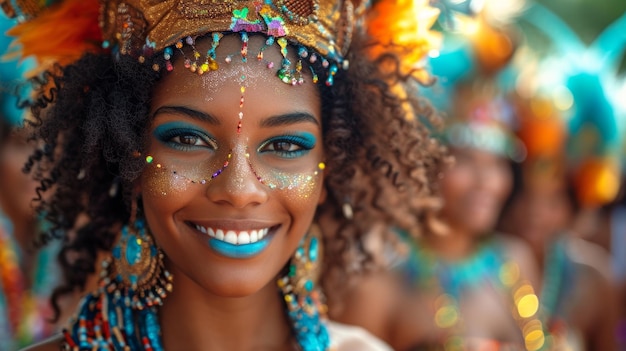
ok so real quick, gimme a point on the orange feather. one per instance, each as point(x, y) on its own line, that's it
point(61, 34)
point(404, 27)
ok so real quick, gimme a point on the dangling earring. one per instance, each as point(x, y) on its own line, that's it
point(122, 314)
point(304, 300)
point(136, 269)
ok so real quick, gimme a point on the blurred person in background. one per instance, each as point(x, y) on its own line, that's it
point(465, 288)
point(576, 297)
point(570, 98)
point(27, 275)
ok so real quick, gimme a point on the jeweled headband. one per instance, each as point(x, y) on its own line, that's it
point(140, 28)
point(481, 117)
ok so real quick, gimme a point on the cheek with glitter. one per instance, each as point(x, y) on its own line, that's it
point(176, 177)
point(159, 181)
point(301, 185)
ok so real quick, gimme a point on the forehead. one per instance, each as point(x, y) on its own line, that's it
point(476, 154)
point(259, 78)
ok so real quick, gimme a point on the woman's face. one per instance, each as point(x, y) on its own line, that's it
point(541, 211)
point(17, 190)
point(236, 170)
point(474, 190)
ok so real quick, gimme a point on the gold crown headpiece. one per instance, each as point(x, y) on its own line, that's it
point(140, 28)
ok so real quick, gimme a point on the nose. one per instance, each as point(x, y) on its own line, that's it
point(237, 185)
point(492, 179)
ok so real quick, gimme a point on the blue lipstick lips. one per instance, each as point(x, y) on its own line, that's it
point(238, 251)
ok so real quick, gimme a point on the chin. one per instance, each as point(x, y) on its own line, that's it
point(483, 228)
point(234, 287)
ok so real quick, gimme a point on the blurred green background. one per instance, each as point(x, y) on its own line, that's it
point(588, 18)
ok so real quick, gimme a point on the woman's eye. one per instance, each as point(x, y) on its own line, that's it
point(283, 146)
point(188, 140)
point(183, 136)
point(289, 146)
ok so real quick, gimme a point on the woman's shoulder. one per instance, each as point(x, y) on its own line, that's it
point(591, 255)
point(517, 250)
point(511, 243)
point(514, 248)
point(352, 338)
point(51, 344)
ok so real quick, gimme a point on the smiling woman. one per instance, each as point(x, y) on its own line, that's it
point(203, 151)
point(236, 196)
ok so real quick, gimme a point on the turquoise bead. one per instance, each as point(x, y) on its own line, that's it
point(313, 249)
point(308, 285)
point(133, 251)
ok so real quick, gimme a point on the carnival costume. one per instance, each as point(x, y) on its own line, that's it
point(479, 119)
point(479, 116)
point(123, 313)
point(487, 266)
point(573, 123)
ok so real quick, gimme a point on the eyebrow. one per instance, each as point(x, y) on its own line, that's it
point(288, 119)
point(189, 112)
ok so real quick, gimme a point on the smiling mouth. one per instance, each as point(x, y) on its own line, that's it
point(234, 237)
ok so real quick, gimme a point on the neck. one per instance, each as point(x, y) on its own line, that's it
point(257, 322)
point(455, 245)
point(540, 252)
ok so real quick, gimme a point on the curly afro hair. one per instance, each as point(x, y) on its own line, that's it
point(93, 122)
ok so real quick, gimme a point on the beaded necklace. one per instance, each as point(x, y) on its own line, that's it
point(106, 321)
point(486, 266)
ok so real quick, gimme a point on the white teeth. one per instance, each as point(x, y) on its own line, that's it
point(243, 238)
point(231, 237)
point(262, 233)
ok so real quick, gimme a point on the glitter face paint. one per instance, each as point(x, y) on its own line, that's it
point(301, 182)
point(168, 179)
point(179, 175)
point(234, 153)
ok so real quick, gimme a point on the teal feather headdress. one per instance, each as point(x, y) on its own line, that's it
point(596, 115)
point(12, 78)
